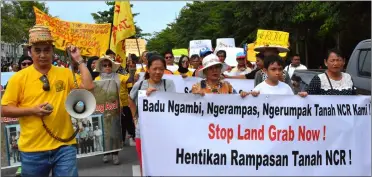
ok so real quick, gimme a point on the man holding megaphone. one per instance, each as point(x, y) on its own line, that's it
point(36, 95)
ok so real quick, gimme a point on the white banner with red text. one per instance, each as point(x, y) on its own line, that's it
point(184, 85)
point(225, 135)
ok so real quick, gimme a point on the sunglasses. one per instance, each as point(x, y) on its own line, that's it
point(107, 65)
point(45, 81)
point(168, 57)
point(26, 63)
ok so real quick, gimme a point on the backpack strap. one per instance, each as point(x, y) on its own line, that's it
point(139, 88)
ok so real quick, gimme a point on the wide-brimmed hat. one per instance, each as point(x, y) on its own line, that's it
point(40, 34)
point(262, 48)
point(115, 65)
point(209, 61)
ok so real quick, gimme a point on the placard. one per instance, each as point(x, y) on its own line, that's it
point(268, 135)
point(131, 46)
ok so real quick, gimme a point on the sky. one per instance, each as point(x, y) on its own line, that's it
point(154, 15)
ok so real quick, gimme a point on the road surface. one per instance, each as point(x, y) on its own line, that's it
point(93, 166)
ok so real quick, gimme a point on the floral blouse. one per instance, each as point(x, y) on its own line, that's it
point(223, 87)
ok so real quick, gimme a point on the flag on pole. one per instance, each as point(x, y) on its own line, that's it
point(123, 27)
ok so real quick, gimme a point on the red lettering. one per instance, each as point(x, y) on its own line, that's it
point(281, 134)
point(251, 134)
point(220, 133)
point(100, 108)
point(307, 135)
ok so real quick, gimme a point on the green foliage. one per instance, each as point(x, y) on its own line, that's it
point(315, 22)
point(17, 17)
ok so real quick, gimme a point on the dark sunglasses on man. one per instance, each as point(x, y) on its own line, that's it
point(45, 81)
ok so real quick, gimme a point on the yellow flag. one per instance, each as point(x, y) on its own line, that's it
point(123, 27)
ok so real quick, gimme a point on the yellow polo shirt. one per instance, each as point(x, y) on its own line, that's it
point(123, 93)
point(189, 73)
point(24, 90)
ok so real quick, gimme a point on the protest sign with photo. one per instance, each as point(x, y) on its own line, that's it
point(99, 133)
point(92, 39)
point(264, 135)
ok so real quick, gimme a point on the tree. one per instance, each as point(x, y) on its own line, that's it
point(318, 24)
point(107, 16)
point(17, 18)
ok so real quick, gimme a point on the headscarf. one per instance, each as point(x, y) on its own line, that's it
point(23, 58)
point(89, 66)
point(181, 69)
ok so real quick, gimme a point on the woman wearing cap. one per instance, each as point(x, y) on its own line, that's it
point(212, 83)
point(183, 67)
point(153, 82)
point(107, 69)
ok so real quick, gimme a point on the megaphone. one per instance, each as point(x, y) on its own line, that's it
point(80, 103)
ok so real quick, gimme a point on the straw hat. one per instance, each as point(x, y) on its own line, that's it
point(115, 65)
point(262, 48)
point(211, 60)
point(39, 34)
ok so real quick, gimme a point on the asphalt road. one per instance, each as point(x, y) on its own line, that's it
point(94, 166)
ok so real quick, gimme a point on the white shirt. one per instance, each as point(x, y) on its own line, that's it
point(280, 89)
point(236, 72)
point(98, 132)
point(290, 69)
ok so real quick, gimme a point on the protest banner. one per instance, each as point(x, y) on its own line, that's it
point(131, 46)
point(103, 127)
point(92, 39)
point(271, 37)
point(225, 135)
point(184, 85)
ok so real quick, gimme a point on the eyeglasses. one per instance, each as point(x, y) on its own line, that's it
point(26, 63)
point(46, 86)
point(107, 65)
point(168, 57)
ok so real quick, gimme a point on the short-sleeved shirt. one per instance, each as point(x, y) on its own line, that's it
point(320, 85)
point(188, 73)
point(25, 91)
point(169, 87)
point(123, 92)
point(280, 89)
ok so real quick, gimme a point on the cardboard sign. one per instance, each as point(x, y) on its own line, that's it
point(270, 37)
point(225, 43)
point(131, 46)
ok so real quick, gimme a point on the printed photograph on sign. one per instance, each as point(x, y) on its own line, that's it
point(12, 133)
point(90, 137)
point(108, 110)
